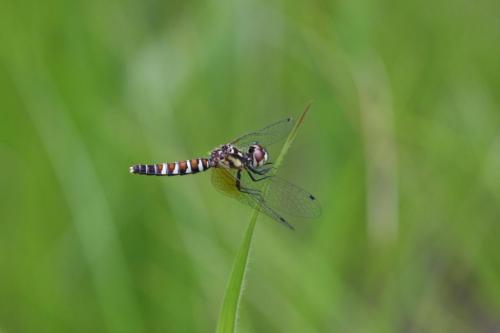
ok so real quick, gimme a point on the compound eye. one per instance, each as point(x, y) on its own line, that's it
point(259, 156)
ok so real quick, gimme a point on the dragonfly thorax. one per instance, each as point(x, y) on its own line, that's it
point(228, 156)
point(231, 157)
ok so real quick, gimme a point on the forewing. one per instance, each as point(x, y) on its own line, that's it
point(224, 180)
point(265, 136)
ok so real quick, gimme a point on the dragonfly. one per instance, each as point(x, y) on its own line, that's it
point(242, 169)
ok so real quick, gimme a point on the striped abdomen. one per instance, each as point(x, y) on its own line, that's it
point(172, 169)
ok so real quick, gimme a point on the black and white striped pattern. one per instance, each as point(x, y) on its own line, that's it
point(185, 167)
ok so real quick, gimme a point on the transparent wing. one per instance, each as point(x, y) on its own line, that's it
point(282, 197)
point(224, 180)
point(265, 136)
point(290, 199)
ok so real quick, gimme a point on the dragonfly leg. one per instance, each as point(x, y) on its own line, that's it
point(238, 180)
point(264, 171)
point(259, 172)
point(258, 195)
point(246, 189)
point(256, 179)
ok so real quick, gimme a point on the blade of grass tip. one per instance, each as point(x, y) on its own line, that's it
point(229, 311)
point(291, 138)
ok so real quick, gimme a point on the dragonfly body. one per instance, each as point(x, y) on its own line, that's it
point(226, 156)
point(240, 166)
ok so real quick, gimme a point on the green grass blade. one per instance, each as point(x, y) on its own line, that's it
point(229, 311)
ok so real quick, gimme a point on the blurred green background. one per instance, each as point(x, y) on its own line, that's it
point(402, 147)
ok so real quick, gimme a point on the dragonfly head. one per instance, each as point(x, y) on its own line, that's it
point(258, 155)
